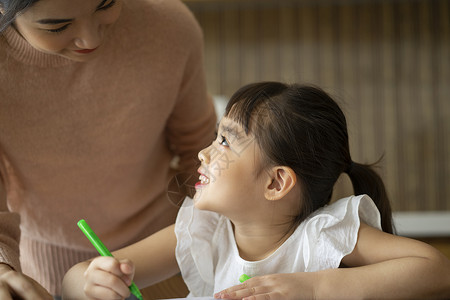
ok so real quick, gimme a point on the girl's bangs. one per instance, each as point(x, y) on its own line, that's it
point(248, 103)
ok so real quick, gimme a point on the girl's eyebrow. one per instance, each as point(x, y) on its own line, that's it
point(59, 21)
point(232, 130)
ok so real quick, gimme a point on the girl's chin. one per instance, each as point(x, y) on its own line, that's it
point(199, 203)
point(199, 190)
point(196, 199)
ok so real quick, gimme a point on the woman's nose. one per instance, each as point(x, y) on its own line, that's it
point(90, 36)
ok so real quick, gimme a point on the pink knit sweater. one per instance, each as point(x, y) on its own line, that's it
point(94, 140)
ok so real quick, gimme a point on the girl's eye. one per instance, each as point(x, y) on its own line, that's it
point(223, 141)
point(60, 29)
point(106, 6)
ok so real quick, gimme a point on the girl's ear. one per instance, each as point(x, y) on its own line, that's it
point(281, 180)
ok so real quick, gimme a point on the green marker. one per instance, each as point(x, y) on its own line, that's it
point(243, 278)
point(101, 248)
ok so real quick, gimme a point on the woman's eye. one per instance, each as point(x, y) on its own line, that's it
point(108, 5)
point(60, 29)
point(223, 141)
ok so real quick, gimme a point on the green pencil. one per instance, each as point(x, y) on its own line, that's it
point(101, 248)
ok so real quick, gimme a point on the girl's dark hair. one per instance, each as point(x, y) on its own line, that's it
point(303, 128)
point(10, 9)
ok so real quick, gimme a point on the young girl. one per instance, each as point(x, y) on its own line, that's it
point(262, 208)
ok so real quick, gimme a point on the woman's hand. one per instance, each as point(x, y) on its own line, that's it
point(273, 287)
point(14, 284)
point(108, 278)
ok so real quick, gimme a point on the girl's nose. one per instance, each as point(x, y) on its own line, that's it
point(90, 36)
point(203, 155)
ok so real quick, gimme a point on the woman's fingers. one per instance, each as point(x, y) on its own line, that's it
point(20, 285)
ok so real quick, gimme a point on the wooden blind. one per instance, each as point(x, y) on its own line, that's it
point(386, 62)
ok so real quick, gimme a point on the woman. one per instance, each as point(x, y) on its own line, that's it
point(97, 97)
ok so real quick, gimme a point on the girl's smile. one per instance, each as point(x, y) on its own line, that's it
point(203, 180)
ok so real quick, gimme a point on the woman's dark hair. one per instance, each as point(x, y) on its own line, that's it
point(303, 128)
point(10, 9)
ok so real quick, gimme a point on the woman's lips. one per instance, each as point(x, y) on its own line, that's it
point(86, 51)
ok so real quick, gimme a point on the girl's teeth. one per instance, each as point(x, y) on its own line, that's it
point(204, 179)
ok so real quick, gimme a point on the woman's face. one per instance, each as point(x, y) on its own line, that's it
point(74, 29)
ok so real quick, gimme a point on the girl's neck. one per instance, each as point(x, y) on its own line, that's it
point(256, 242)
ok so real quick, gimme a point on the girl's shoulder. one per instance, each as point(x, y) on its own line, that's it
point(348, 209)
point(332, 231)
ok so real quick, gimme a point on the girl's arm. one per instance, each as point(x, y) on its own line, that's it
point(381, 266)
point(389, 266)
point(153, 259)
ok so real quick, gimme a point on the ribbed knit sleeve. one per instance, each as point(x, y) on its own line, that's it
point(9, 233)
point(189, 126)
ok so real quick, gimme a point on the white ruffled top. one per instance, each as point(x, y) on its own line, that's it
point(209, 258)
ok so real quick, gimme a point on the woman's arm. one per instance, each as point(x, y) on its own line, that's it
point(381, 266)
point(153, 258)
point(12, 281)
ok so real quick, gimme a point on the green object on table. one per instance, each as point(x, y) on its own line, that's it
point(243, 278)
point(101, 248)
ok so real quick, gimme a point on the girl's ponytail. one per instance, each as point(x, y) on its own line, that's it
point(366, 181)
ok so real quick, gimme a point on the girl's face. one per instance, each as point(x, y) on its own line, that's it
point(74, 29)
point(231, 179)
